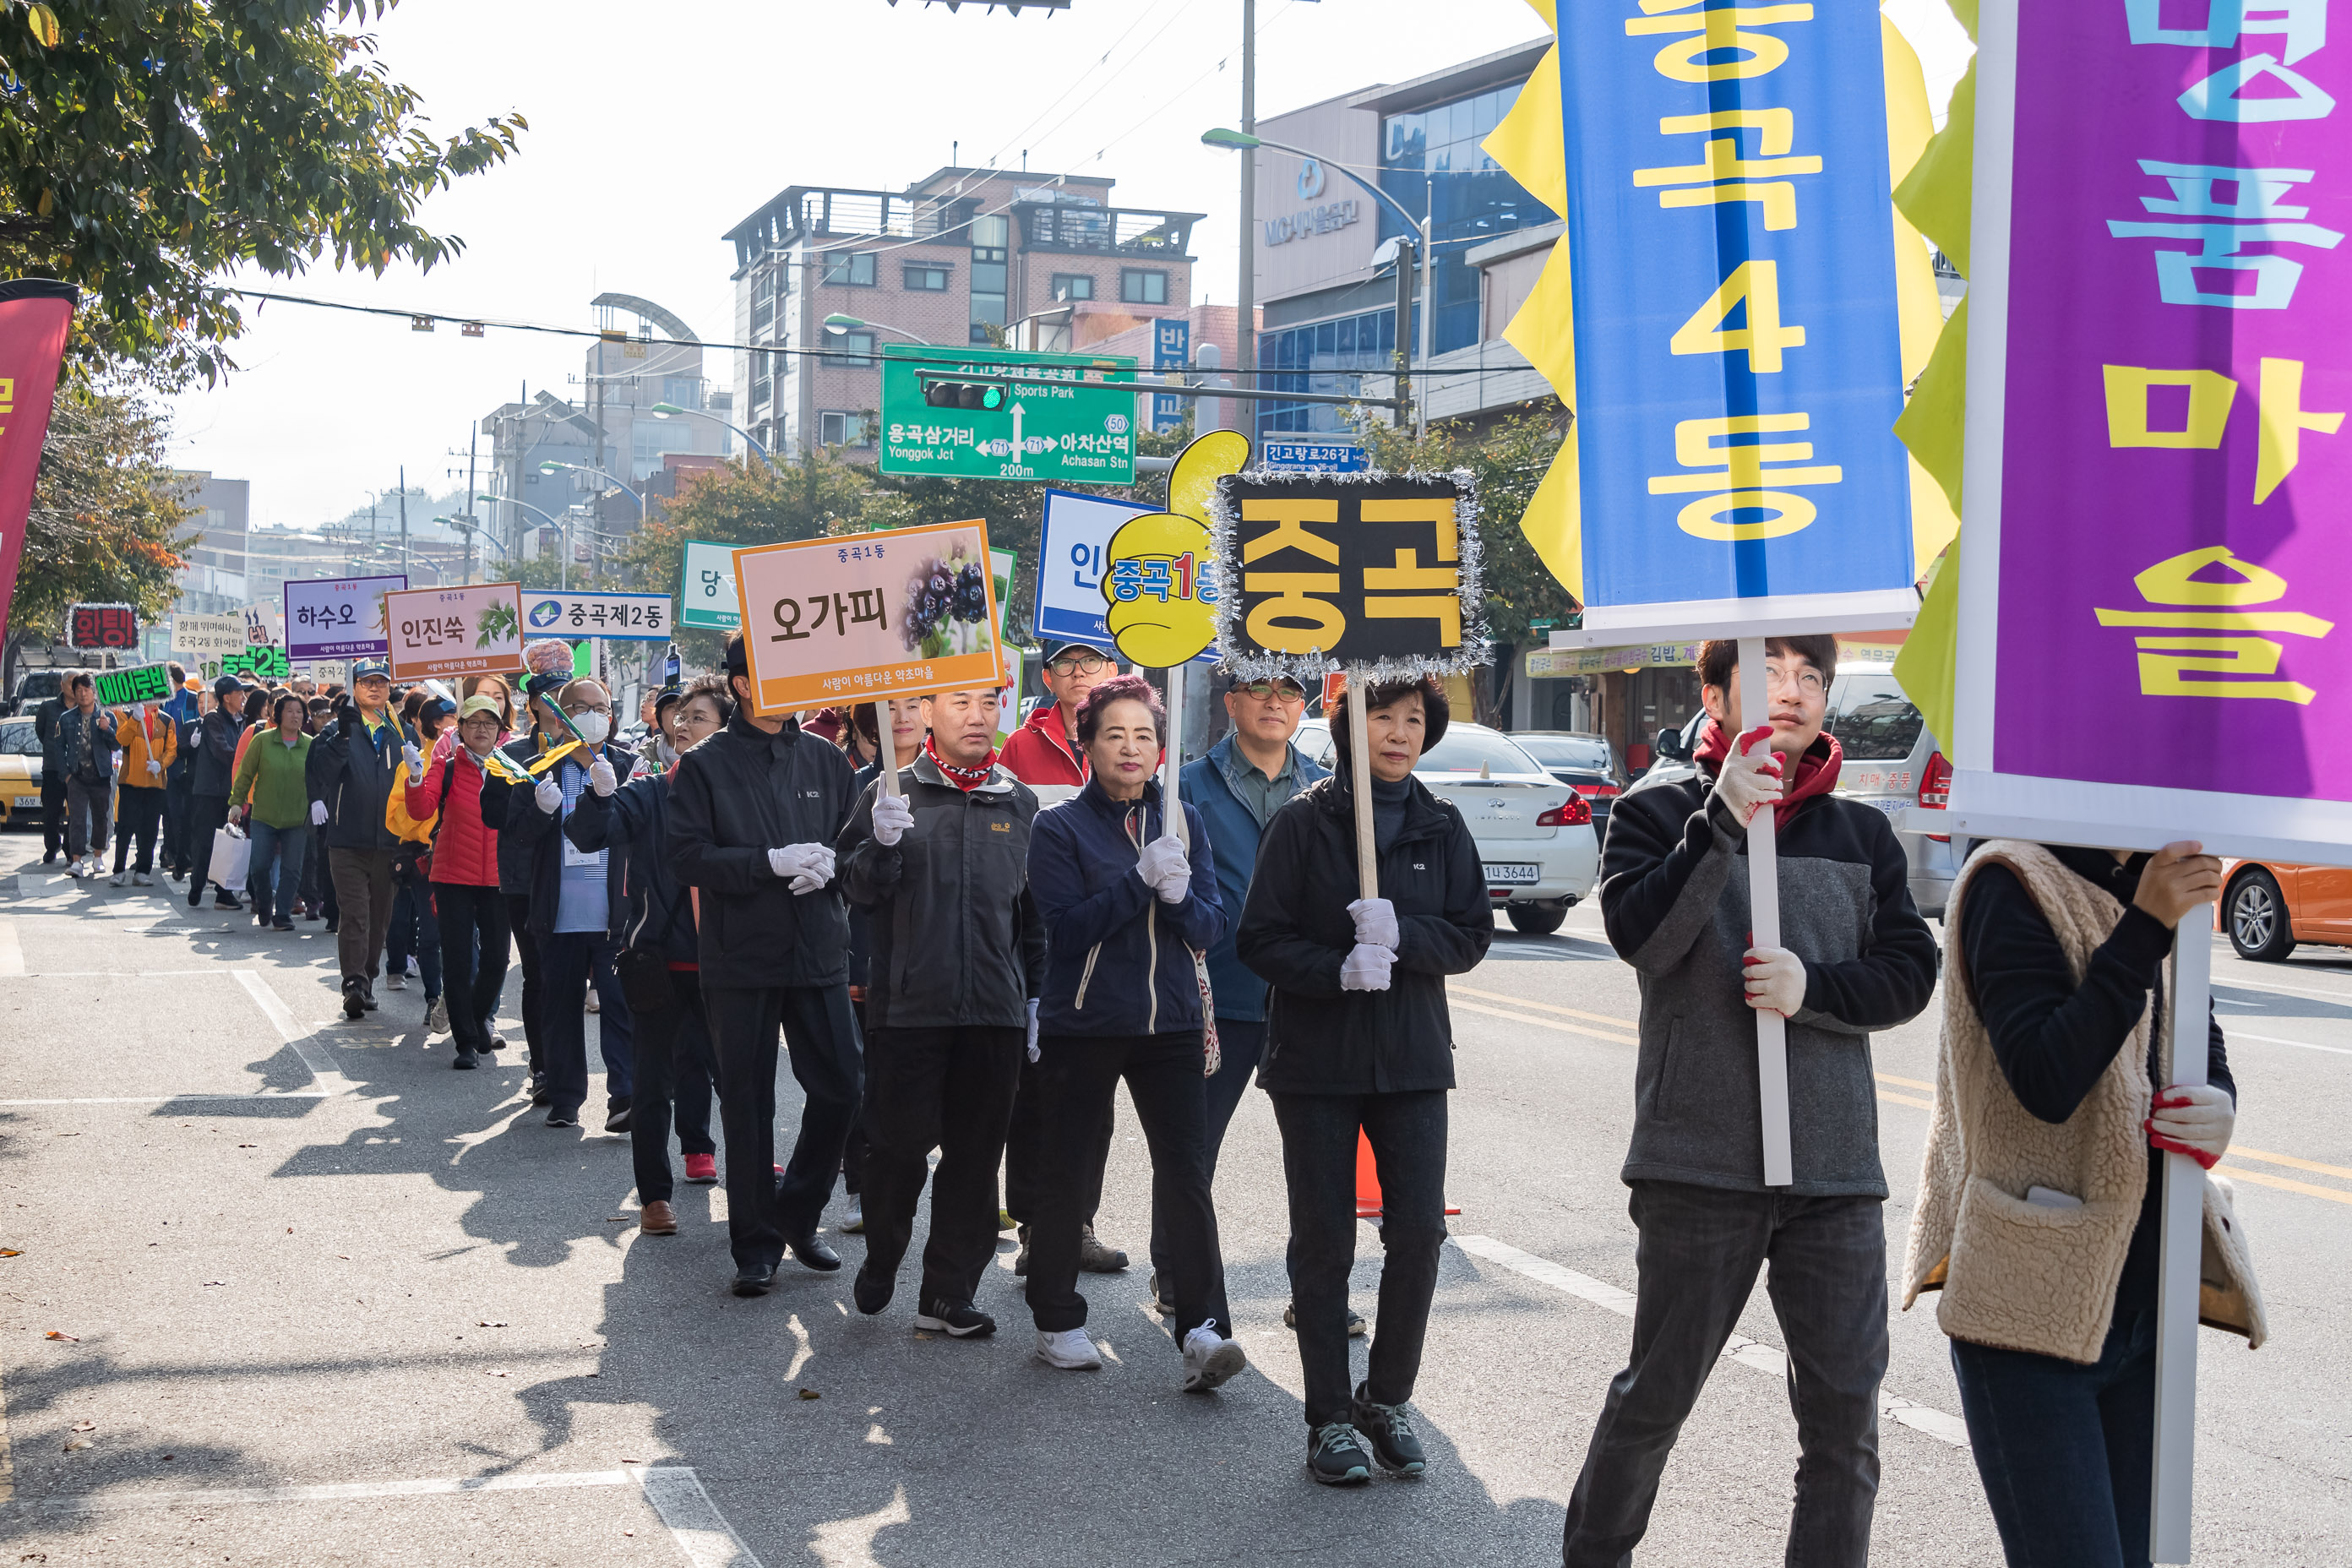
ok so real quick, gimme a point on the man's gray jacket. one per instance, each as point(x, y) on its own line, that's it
point(1674, 895)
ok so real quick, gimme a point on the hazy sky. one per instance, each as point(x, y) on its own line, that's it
point(655, 129)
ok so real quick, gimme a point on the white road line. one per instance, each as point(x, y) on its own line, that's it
point(694, 1522)
point(331, 1080)
point(12, 951)
point(2229, 1033)
point(2283, 989)
point(1748, 1353)
point(126, 1502)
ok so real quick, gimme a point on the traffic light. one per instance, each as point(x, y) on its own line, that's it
point(987, 396)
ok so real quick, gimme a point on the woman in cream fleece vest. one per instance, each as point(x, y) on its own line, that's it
point(2036, 1216)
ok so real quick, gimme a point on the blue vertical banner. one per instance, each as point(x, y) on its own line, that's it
point(1739, 367)
point(1171, 349)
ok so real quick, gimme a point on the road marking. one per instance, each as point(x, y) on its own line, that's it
point(2240, 1152)
point(2284, 988)
point(2288, 1183)
point(1547, 1024)
point(119, 1503)
point(1626, 1024)
point(12, 951)
point(331, 1080)
point(694, 1522)
point(2274, 1041)
point(1906, 1082)
point(1754, 1353)
point(1912, 1101)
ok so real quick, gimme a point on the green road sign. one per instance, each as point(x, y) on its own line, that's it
point(1051, 428)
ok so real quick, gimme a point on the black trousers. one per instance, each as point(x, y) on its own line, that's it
point(138, 812)
point(672, 1043)
point(207, 815)
point(54, 806)
point(475, 940)
point(175, 822)
point(1240, 1043)
point(1025, 1157)
point(1077, 1076)
point(527, 953)
point(820, 1031)
point(1699, 1253)
point(1407, 1132)
point(950, 1090)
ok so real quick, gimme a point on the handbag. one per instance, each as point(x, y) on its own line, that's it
point(232, 859)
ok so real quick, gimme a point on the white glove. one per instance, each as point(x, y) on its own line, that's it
point(415, 760)
point(1776, 981)
point(1366, 968)
point(2195, 1120)
point(1033, 1028)
point(1746, 782)
point(549, 795)
point(317, 813)
point(154, 768)
point(1160, 859)
point(892, 817)
point(1376, 922)
point(809, 866)
point(600, 778)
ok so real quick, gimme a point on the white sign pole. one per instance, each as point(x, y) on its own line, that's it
point(1360, 757)
point(2182, 1226)
point(1764, 916)
point(889, 747)
point(1171, 810)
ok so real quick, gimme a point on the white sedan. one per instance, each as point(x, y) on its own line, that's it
point(1534, 833)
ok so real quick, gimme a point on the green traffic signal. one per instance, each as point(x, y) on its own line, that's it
point(986, 396)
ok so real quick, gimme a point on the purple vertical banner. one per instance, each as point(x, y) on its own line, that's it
point(2176, 563)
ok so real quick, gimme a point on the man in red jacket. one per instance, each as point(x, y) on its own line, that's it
point(1044, 751)
point(472, 914)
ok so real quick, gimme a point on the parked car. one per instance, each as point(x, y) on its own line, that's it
point(1890, 762)
point(20, 772)
point(34, 687)
point(1587, 764)
point(1534, 834)
point(2268, 906)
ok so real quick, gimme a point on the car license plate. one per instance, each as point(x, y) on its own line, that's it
point(24, 800)
point(1512, 875)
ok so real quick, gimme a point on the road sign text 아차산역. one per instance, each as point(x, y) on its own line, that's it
point(1059, 422)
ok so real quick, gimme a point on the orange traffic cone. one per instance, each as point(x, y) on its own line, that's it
point(1367, 1181)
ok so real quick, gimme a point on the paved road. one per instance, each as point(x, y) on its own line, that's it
point(310, 1298)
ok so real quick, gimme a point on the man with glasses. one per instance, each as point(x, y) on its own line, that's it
point(1237, 788)
point(1044, 751)
point(1675, 897)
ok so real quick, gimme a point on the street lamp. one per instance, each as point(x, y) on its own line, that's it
point(837, 324)
point(672, 411)
point(563, 524)
point(1237, 142)
point(469, 527)
point(551, 466)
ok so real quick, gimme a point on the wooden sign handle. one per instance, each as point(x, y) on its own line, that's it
point(1360, 759)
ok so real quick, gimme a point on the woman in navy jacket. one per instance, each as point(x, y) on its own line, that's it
point(1124, 918)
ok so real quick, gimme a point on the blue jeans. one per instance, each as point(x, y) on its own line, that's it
point(568, 962)
point(415, 929)
point(276, 872)
point(2066, 1451)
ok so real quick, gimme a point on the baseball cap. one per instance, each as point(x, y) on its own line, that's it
point(479, 704)
point(371, 669)
point(226, 684)
point(433, 709)
point(1054, 650)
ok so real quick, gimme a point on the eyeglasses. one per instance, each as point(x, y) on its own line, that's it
point(1807, 682)
point(1079, 664)
point(1273, 691)
point(582, 711)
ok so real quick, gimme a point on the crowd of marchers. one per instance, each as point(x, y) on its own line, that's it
point(969, 952)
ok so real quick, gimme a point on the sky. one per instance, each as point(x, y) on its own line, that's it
point(649, 139)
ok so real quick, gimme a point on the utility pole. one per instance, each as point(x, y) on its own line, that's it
point(1245, 315)
point(472, 441)
point(404, 519)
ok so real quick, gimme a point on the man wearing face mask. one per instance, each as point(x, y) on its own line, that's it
point(544, 731)
point(471, 912)
point(753, 812)
point(354, 767)
point(577, 900)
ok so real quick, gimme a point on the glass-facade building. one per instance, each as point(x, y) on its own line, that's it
point(1430, 161)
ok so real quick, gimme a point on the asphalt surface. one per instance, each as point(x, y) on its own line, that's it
point(302, 1295)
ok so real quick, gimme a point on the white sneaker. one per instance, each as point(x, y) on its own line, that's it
point(397, 981)
point(77, 869)
point(120, 879)
point(1210, 1359)
point(1069, 1349)
point(141, 879)
point(853, 1222)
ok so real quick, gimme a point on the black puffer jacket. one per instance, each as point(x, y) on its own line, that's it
point(353, 769)
point(956, 937)
point(739, 794)
point(215, 748)
point(1296, 931)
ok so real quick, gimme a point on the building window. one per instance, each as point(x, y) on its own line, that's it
point(1434, 162)
point(852, 267)
point(1320, 357)
point(840, 430)
point(1138, 287)
point(991, 238)
point(763, 301)
point(1073, 286)
point(685, 391)
point(925, 277)
point(853, 349)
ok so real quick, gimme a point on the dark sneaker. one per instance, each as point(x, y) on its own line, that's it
point(1356, 1327)
point(873, 1289)
point(367, 995)
point(957, 1320)
point(617, 1117)
point(465, 1060)
point(1388, 1430)
point(1336, 1457)
point(557, 1116)
point(540, 1094)
point(354, 1000)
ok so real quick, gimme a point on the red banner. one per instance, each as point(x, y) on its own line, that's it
point(34, 315)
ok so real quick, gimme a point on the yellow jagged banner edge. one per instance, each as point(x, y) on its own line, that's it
point(1530, 146)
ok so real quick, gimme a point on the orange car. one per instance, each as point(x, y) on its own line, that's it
point(2268, 906)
